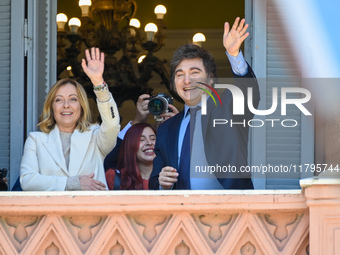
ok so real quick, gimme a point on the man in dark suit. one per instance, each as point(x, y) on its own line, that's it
point(192, 68)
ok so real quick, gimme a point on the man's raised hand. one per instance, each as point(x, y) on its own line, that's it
point(234, 37)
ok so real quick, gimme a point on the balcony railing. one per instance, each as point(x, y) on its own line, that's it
point(265, 222)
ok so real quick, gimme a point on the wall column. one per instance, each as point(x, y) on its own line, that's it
point(323, 199)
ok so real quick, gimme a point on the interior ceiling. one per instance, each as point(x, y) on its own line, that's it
point(181, 14)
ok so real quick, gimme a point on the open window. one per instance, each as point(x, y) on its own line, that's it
point(270, 53)
point(28, 57)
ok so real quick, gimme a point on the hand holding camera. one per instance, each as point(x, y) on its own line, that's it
point(142, 111)
point(160, 106)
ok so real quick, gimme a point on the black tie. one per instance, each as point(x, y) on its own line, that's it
point(184, 163)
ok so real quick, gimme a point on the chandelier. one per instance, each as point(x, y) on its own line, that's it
point(110, 25)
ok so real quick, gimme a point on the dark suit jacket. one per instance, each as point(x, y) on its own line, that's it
point(224, 145)
point(111, 160)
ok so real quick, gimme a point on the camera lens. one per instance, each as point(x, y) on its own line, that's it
point(157, 105)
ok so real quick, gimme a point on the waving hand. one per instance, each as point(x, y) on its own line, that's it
point(94, 65)
point(234, 37)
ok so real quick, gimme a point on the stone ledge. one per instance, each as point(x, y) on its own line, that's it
point(147, 193)
point(122, 201)
point(305, 183)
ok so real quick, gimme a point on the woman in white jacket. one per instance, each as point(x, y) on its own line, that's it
point(68, 153)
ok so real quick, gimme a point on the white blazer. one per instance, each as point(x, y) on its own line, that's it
point(43, 166)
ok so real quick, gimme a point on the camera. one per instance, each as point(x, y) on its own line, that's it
point(3, 185)
point(159, 104)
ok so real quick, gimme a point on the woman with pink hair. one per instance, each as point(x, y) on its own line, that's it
point(135, 159)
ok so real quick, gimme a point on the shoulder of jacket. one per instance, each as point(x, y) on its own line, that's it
point(170, 121)
point(38, 134)
point(94, 126)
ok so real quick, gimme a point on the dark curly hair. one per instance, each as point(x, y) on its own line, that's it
point(190, 51)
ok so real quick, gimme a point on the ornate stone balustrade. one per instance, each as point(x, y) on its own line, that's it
point(323, 199)
point(165, 222)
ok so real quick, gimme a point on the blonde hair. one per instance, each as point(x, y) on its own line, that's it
point(47, 121)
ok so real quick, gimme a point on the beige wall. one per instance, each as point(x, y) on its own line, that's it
point(189, 14)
